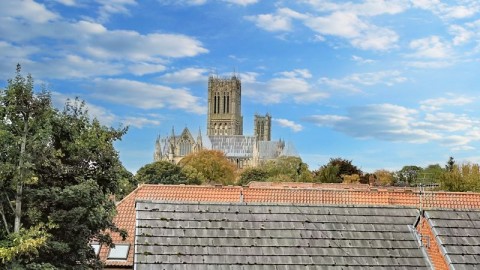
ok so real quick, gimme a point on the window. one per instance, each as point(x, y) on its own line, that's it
point(96, 247)
point(119, 252)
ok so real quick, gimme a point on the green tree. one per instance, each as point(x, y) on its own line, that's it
point(126, 183)
point(342, 167)
point(67, 168)
point(450, 164)
point(213, 165)
point(327, 174)
point(407, 175)
point(284, 169)
point(465, 177)
point(161, 172)
point(252, 174)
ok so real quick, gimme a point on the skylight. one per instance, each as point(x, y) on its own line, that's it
point(119, 252)
point(96, 248)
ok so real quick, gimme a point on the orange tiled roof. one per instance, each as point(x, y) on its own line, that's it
point(125, 217)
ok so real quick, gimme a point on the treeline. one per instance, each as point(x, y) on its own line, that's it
point(212, 167)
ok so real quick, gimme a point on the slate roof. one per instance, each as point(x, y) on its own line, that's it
point(261, 236)
point(125, 217)
point(458, 233)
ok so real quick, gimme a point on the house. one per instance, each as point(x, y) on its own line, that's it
point(317, 196)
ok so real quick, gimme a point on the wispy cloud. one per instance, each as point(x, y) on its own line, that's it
point(288, 124)
point(357, 81)
point(145, 95)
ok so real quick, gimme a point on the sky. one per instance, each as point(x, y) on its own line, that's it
point(384, 83)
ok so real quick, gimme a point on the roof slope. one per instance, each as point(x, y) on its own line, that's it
point(240, 236)
point(125, 218)
point(458, 233)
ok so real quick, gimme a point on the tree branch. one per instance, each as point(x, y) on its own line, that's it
point(9, 202)
point(4, 219)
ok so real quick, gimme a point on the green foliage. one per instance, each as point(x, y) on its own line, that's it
point(336, 170)
point(126, 183)
point(407, 176)
point(450, 164)
point(253, 174)
point(57, 168)
point(383, 178)
point(194, 177)
point(23, 245)
point(327, 174)
point(213, 165)
point(465, 177)
point(286, 169)
point(161, 172)
point(345, 167)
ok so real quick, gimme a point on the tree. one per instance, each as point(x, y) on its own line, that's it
point(383, 178)
point(161, 172)
point(67, 170)
point(407, 175)
point(327, 174)
point(252, 174)
point(450, 164)
point(465, 177)
point(126, 183)
point(212, 164)
point(341, 167)
point(284, 169)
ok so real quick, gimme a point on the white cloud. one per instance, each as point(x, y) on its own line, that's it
point(288, 124)
point(241, 2)
point(362, 60)
point(348, 21)
point(271, 22)
point(140, 68)
point(378, 121)
point(188, 75)
point(27, 10)
point(396, 123)
point(146, 96)
point(287, 85)
point(85, 49)
point(431, 47)
point(109, 7)
point(107, 117)
point(461, 35)
point(435, 104)
point(448, 12)
point(356, 81)
point(67, 2)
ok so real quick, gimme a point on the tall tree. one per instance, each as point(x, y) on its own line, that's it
point(284, 169)
point(213, 165)
point(62, 170)
point(161, 172)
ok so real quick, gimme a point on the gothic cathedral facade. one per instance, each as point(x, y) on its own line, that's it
point(225, 131)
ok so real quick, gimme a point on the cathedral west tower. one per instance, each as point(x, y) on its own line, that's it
point(224, 106)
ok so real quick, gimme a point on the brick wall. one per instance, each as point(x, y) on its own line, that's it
point(431, 245)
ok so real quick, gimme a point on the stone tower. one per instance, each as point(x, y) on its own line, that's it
point(224, 106)
point(262, 126)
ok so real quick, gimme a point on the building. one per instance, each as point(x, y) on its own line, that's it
point(225, 131)
point(408, 229)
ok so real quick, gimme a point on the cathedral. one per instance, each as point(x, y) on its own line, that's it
point(225, 131)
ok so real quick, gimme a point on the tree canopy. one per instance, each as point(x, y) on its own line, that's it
point(165, 172)
point(213, 165)
point(58, 172)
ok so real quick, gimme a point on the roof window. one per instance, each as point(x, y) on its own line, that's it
point(119, 252)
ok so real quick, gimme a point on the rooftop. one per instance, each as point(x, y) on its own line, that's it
point(271, 236)
point(125, 217)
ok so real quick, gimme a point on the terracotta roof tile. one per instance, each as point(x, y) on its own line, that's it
point(125, 217)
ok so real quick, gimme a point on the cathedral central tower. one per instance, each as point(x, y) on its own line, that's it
point(224, 107)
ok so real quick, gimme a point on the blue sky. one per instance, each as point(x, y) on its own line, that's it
point(385, 83)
